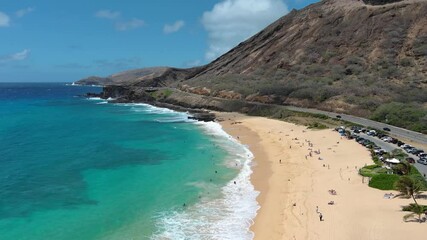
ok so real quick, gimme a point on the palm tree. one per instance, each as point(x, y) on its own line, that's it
point(415, 210)
point(408, 187)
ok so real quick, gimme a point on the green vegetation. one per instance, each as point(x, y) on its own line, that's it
point(161, 94)
point(411, 116)
point(410, 187)
point(317, 125)
point(372, 170)
point(416, 210)
point(384, 181)
point(409, 207)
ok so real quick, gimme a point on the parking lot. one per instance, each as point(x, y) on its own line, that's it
point(377, 140)
point(390, 147)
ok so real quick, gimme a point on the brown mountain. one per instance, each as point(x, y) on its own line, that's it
point(366, 58)
point(336, 54)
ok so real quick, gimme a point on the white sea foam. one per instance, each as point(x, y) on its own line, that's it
point(227, 217)
point(165, 115)
point(146, 108)
point(103, 102)
point(230, 214)
point(95, 98)
point(177, 119)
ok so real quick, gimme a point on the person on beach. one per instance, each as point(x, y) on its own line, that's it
point(320, 216)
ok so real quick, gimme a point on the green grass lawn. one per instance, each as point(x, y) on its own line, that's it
point(384, 181)
point(380, 179)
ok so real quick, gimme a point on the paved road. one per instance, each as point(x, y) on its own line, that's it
point(398, 132)
point(395, 131)
point(390, 147)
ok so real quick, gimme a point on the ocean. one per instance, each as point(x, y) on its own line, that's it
point(78, 168)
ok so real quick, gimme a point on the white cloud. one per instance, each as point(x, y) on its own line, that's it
point(233, 21)
point(175, 27)
point(4, 20)
point(22, 12)
point(132, 24)
point(19, 56)
point(120, 25)
point(107, 14)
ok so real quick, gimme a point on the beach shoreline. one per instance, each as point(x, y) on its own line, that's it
point(295, 187)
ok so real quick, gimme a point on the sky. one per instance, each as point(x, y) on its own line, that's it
point(64, 41)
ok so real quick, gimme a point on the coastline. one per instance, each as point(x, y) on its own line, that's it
point(291, 191)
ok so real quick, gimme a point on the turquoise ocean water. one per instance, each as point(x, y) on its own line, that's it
point(76, 168)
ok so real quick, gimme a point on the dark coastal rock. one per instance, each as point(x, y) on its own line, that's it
point(92, 95)
point(205, 117)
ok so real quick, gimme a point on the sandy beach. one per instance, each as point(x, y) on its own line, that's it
point(294, 186)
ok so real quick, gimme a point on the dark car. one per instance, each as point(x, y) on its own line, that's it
point(387, 129)
point(339, 116)
point(400, 143)
point(380, 135)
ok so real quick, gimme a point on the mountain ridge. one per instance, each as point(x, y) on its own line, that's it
point(342, 56)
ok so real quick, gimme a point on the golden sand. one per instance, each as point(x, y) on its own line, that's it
point(295, 186)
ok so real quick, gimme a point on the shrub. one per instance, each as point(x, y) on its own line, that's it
point(317, 125)
point(383, 181)
point(409, 116)
point(406, 62)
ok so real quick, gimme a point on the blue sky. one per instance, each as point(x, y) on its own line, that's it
point(50, 40)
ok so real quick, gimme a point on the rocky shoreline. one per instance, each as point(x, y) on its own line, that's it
point(120, 94)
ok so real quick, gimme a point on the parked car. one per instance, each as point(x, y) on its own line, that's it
point(387, 129)
point(372, 133)
point(381, 135)
point(421, 160)
point(408, 149)
point(413, 151)
point(339, 116)
point(400, 143)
